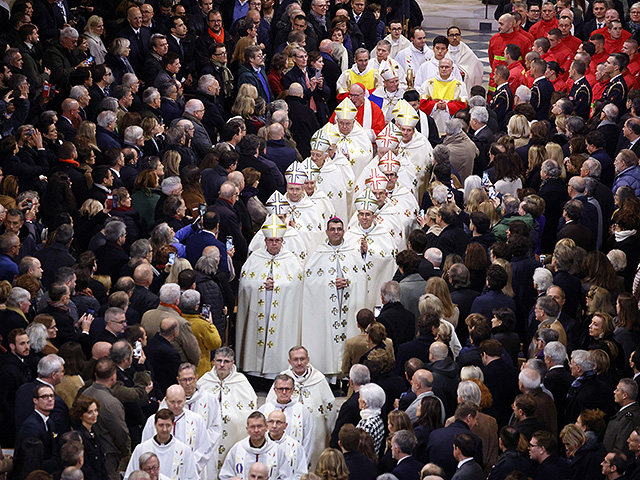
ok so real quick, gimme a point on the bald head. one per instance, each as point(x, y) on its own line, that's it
point(69, 104)
point(100, 350)
point(143, 275)
point(210, 250)
point(275, 132)
point(422, 381)
point(236, 178)
point(169, 328)
point(227, 190)
point(295, 90)
point(438, 351)
point(175, 392)
point(326, 46)
point(258, 471)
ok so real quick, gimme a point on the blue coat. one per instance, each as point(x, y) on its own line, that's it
point(485, 304)
point(440, 450)
point(408, 469)
point(197, 243)
point(8, 268)
point(246, 74)
point(280, 154)
point(107, 139)
point(630, 177)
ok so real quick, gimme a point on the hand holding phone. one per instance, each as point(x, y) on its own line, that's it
point(172, 258)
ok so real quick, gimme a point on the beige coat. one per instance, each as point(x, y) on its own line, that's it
point(186, 344)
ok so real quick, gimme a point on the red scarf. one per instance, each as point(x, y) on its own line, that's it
point(70, 161)
point(175, 307)
point(217, 37)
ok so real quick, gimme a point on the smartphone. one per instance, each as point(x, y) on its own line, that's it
point(114, 202)
point(109, 202)
point(203, 209)
point(90, 311)
point(206, 310)
point(485, 178)
point(172, 258)
point(492, 193)
point(318, 74)
point(90, 60)
point(422, 212)
point(449, 196)
point(376, 310)
point(542, 257)
point(229, 243)
point(137, 349)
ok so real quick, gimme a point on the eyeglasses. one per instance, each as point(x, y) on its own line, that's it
point(47, 396)
point(283, 389)
point(454, 35)
point(531, 445)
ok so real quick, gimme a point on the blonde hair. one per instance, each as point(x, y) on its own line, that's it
point(238, 52)
point(490, 209)
point(92, 22)
point(171, 161)
point(445, 331)
point(508, 289)
point(518, 126)
point(476, 197)
point(331, 465)
point(178, 266)
point(573, 436)
point(247, 90)
point(439, 288)
point(91, 207)
point(148, 124)
point(554, 152)
point(537, 155)
point(429, 301)
point(243, 106)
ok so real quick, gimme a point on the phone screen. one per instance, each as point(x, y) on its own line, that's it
point(206, 309)
point(203, 209)
point(172, 258)
point(229, 243)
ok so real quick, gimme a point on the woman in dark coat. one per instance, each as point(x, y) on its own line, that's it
point(84, 415)
point(585, 455)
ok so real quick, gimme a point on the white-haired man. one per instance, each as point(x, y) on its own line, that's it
point(444, 94)
point(354, 142)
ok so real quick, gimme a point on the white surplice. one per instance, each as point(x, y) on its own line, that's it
point(296, 459)
point(177, 461)
point(336, 180)
point(243, 455)
point(299, 422)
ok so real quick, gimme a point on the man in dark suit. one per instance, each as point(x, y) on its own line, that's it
point(253, 72)
point(142, 299)
point(13, 316)
point(589, 391)
point(439, 449)
point(330, 71)
point(631, 133)
point(419, 348)
point(626, 420)
point(402, 445)
point(116, 323)
point(366, 23)
point(207, 236)
point(573, 229)
point(319, 19)
point(162, 356)
point(543, 450)
point(452, 238)
point(493, 298)
point(557, 379)
point(483, 137)
point(56, 255)
point(461, 295)
point(501, 379)
point(50, 372)
point(302, 118)
point(229, 222)
point(610, 129)
point(248, 150)
point(463, 449)
point(139, 37)
point(554, 193)
point(360, 467)
point(399, 322)
point(596, 144)
point(350, 411)
point(50, 17)
point(38, 427)
point(70, 115)
point(541, 90)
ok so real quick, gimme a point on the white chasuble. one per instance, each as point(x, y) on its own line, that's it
point(314, 392)
point(406, 175)
point(296, 459)
point(419, 153)
point(308, 221)
point(380, 263)
point(243, 455)
point(268, 321)
point(328, 313)
point(356, 146)
point(190, 429)
point(291, 242)
point(299, 422)
point(237, 400)
point(176, 459)
point(336, 180)
point(321, 200)
point(205, 404)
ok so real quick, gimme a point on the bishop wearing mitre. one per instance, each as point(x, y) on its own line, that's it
point(269, 304)
point(354, 142)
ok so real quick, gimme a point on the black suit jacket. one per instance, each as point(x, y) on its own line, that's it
point(399, 322)
point(581, 96)
point(558, 381)
point(367, 24)
point(469, 471)
point(142, 299)
point(483, 140)
point(502, 381)
point(440, 450)
point(616, 93)
point(24, 408)
point(452, 239)
point(139, 45)
point(230, 226)
point(31, 435)
point(502, 103)
point(554, 193)
point(418, 348)
point(541, 98)
point(408, 469)
point(360, 467)
point(579, 234)
point(349, 413)
point(611, 132)
point(65, 127)
point(164, 359)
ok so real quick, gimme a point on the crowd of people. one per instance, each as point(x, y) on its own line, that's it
point(202, 201)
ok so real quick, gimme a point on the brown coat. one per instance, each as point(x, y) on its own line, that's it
point(545, 410)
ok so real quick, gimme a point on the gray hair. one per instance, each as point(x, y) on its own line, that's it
point(150, 94)
point(205, 82)
point(361, 50)
point(119, 45)
point(145, 457)
point(574, 124)
point(49, 364)
point(384, 476)
point(170, 185)
point(129, 79)
point(38, 336)
point(453, 126)
point(109, 103)
point(439, 194)
point(611, 112)
point(547, 335)
point(140, 474)
point(523, 93)
point(78, 91)
point(193, 105)
point(469, 391)
point(69, 32)
point(72, 473)
point(594, 167)
point(132, 133)
point(16, 296)
point(373, 395)
point(208, 264)
point(543, 278)
point(471, 183)
point(434, 255)
point(170, 293)
point(175, 134)
point(120, 351)
point(618, 259)
point(630, 387)
point(556, 351)
point(226, 352)
point(112, 314)
point(510, 204)
point(529, 378)
point(548, 305)
point(471, 371)
point(105, 118)
point(141, 248)
point(551, 168)
point(359, 374)
point(114, 230)
point(584, 360)
point(477, 101)
point(480, 114)
point(404, 440)
point(190, 299)
point(390, 292)
point(441, 154)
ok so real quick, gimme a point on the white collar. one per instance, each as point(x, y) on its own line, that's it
point(539, 78)
point(462, 462)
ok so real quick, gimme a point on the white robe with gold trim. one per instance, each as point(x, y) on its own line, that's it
point(314, 392)
point(292, 242)
point(296, 459)
point(308, 221)
point(237, 401)
point(417, 152)
point(268, 322)
point(336, 180)
point(356, 146)
point(176, 459)
point(299, 422)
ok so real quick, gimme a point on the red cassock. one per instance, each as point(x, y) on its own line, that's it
point(427, 106)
